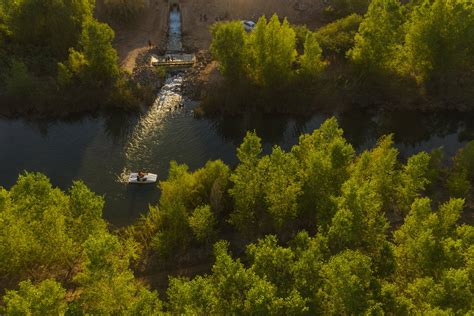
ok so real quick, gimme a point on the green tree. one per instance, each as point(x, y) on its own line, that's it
point(422, 243)
point(248, 200)
point(349, 286)
point(439, 41)
point(325, 157)
point(379, 34)
point(106, 283)
point(45, 298)
point(96, 43)
point(18, 80)
point(55, 25)
point(359, 223)
point(203, 222)
point(311, 63)
point(265, 190)
point(272, 49)
point(229, 48)
point(42, 228)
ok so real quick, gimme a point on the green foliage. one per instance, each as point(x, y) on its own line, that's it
point(311, 63)
point(267, 55)
point(323, 155)
point(203, 222)
point(348, 284)
point(190, 206)
point(264, 187)
point(349, 260)
point(459, 179)
point(337, 38)
point(18, 80)
point(41, 228)
point(227, 47)
point(55, 25)
point(55, 52)
point(439, 40)
point(101, 57)
point(106, 284)
point(45, 298)
point(423, 242)
point(379, 34)
point(272, 50)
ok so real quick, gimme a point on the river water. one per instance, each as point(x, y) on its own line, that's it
point(101, 150)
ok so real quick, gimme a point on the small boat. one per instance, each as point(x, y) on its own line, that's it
point(147, 178)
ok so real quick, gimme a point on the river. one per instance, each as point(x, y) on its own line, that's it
point(100, 150)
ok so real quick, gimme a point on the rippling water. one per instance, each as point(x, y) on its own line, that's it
point(99, 150)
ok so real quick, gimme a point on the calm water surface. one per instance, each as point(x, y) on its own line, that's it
point(101, 150)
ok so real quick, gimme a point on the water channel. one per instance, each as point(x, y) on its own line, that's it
point(100, 150)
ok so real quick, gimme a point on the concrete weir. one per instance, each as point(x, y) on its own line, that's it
point(174, 56)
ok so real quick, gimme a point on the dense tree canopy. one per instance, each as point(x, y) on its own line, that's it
point(397, 54)
point(266, 55)
point(319, 229)
point(56, 52)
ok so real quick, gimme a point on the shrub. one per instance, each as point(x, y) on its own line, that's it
point(338, 37)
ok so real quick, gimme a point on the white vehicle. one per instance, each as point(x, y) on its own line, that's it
point(248, 25)
point(144, 178)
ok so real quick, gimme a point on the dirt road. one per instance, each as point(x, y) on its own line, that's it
point(198, 16)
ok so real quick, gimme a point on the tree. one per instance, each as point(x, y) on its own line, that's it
point(55, 25)
point(228, 47)
point(246, 189)
point(203, 223)
point(422, 242)
point(96, 43)
point(42, 228)
point(311, 63)
point(45, 298)
point(272, 49)
point(379, 34)
point(360, 224)
point(106, 284)
point(439, 41)
point(324, 157)
point(349, 286)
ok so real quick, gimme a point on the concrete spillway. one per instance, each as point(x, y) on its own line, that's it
point(174, 56)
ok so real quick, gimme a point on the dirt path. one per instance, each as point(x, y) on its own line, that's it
point(152, 23)
point(133, 38)
point(196, 30)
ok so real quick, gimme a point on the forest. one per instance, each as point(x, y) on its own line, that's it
point(415, 55)
point(318, 229)
point(56, 58)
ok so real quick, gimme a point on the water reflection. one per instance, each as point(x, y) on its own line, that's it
point(98, 149)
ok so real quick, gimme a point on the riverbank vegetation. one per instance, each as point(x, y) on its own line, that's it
point(56, 58)
point(416, 55)
point(318, 229)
